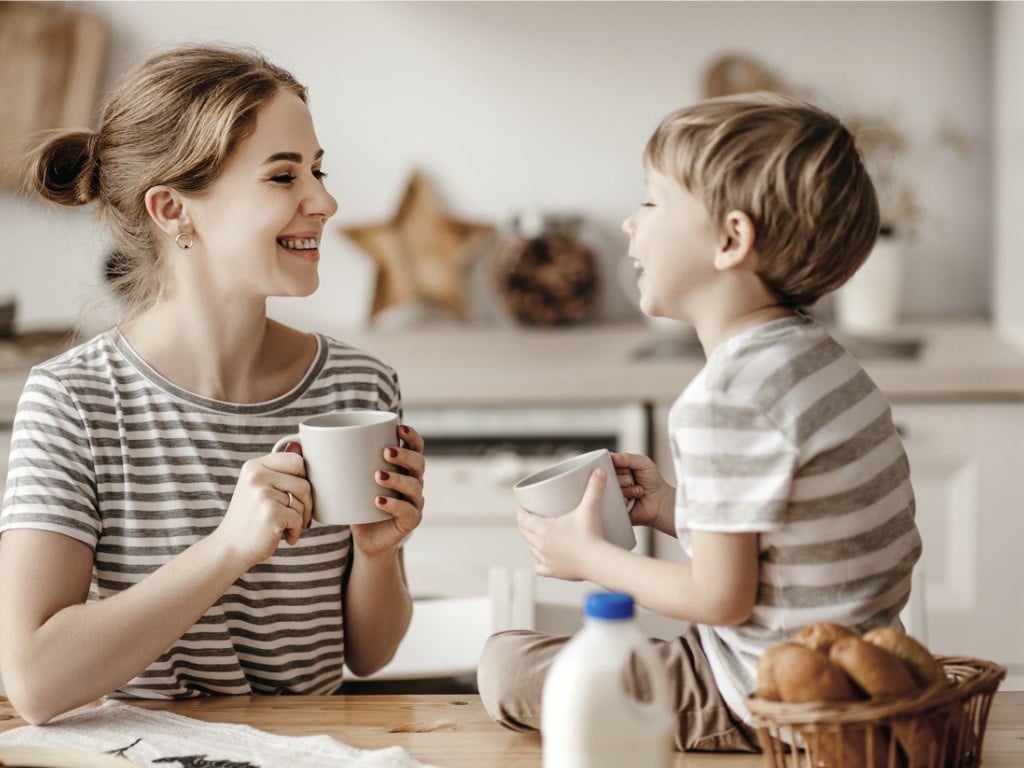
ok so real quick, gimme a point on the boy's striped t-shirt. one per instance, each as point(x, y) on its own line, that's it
point(783, 434)
point(108, 452)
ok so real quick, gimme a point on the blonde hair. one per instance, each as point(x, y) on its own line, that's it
point(173, 120)
point(793, 168)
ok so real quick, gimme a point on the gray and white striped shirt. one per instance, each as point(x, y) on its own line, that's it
point(107, 451)
point(783, 434)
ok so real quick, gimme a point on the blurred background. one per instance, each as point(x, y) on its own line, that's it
point(544, 108)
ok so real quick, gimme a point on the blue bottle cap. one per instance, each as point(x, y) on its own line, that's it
point(608, 605)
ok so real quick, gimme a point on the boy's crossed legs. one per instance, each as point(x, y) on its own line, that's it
point(514, 664)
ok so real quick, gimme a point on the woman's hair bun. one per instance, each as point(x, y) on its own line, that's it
point(63, 168)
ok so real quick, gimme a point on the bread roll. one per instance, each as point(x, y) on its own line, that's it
point(878, 673)
point(915, 657)
point(883, 676)
point(767, 688)
point(820, 636)
point(798, 674)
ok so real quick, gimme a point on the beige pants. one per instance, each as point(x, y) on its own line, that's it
point(514, 664)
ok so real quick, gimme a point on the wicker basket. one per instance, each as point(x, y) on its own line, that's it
point(941, 727)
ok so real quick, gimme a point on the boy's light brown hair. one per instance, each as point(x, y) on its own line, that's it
point(793, 168)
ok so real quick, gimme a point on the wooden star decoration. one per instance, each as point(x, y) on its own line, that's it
point(422, 252)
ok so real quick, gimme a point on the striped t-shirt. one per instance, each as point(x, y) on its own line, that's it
point(783, 434)
point(107, 451)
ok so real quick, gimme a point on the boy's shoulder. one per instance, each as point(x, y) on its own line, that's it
point(763, 364)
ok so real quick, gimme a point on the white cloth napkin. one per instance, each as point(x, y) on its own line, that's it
point(164, 740)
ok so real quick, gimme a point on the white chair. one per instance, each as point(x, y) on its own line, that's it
point(455, 610)
point(914, 614)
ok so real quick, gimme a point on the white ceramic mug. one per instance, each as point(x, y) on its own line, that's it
point(557, 489)
point(343, 450)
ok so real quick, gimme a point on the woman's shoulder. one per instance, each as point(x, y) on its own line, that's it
point(340, 353)
point(87, 358)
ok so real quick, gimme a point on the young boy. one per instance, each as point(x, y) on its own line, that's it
point(794, 502)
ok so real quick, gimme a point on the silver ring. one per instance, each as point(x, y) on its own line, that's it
point(289, 499)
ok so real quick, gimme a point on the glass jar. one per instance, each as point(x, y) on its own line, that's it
point(545, 274)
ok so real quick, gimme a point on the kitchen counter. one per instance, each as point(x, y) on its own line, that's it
point(455, 732)
point(599, 363)
point(472, 365)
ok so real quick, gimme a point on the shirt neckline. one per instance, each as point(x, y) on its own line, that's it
point(149, 373)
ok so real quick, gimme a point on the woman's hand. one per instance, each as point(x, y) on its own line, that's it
point(272, 500)
point(407, 510)
point(642, 483)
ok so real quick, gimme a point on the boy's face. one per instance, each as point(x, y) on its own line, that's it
point(672, 240)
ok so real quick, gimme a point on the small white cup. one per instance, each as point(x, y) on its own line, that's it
point(555, 490)
point(342, 451)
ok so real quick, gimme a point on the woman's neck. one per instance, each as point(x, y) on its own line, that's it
point(218, 352)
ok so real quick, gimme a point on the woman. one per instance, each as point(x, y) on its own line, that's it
point(141, 550)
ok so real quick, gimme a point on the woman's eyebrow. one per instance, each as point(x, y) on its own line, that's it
point(292, 157)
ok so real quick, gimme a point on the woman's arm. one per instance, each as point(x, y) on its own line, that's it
point(58, 652)
point(377, 605)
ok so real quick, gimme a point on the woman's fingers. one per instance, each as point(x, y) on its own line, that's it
point(407, 516)
point(407, 485)
point(410, 438)
point(406, 459)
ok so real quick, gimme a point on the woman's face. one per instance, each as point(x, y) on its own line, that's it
point(258, 228)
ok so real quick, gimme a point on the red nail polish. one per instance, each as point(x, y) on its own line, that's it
point(381, 499)
point(392, 453)
point(384, 475)
point(405, 430)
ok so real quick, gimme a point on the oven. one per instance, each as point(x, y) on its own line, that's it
point(474, 456)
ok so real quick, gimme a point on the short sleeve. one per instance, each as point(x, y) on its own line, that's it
point(51, 478)
point(735, 466)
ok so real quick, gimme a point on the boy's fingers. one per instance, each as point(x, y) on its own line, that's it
point(595, 487)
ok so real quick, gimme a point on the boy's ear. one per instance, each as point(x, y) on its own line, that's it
point(735, 241)
point(166, 208)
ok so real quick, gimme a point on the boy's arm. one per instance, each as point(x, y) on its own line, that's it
point(718, 585)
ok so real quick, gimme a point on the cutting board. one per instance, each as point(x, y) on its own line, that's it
point(51, 62)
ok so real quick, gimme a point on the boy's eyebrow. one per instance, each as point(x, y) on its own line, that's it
point(292, 157)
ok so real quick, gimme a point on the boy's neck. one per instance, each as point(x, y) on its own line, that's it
point(717, 331)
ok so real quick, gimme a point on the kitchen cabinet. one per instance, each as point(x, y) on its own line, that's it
point(965, 462)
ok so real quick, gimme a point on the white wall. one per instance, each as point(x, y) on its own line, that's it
point(1008, 154)
point(549, 104)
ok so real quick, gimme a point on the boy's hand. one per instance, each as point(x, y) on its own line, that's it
point(559, 544)
point(642, 483)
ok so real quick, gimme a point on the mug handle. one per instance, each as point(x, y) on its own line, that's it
point(280, 444)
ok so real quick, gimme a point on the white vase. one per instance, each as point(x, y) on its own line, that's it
point(871, 300)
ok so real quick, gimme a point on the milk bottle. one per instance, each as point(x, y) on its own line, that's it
point(588, 720)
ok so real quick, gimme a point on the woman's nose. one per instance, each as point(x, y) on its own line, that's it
point(627, 226)
point(321, 203)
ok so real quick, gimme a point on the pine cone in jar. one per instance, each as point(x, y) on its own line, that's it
point(549, 280)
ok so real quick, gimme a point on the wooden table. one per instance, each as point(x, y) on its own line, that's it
point(455, 732)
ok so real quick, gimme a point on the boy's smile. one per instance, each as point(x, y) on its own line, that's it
point(672, 245)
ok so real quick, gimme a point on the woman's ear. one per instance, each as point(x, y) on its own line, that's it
point(166, 208)
point(735, 241)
